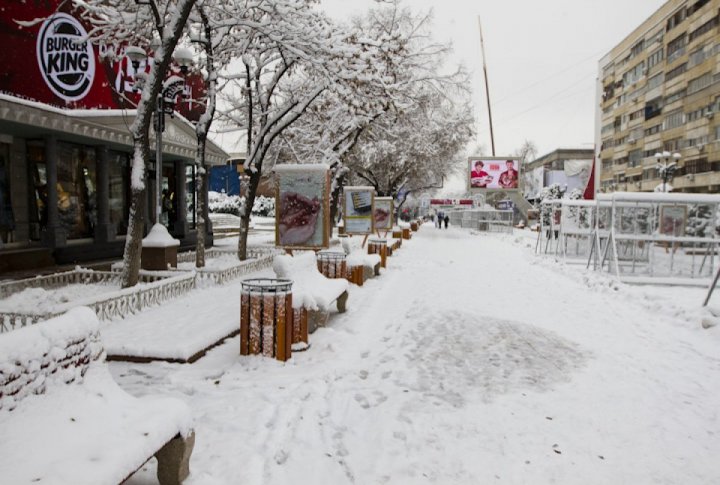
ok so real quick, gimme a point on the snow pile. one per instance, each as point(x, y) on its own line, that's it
point(42, 300)
point(310, 288)
point(60, 349)
point(159, 237)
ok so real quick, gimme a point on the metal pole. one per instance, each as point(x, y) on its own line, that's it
point(159, 113)
point(487, 88)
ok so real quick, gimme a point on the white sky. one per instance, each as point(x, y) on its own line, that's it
point(542, 60)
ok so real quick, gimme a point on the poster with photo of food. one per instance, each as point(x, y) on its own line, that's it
point(302, 215)
point(358, 210)
point(383, 213)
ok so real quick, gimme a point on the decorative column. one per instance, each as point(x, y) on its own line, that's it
point(181, 223)
point(55, 235)
point(104, 231)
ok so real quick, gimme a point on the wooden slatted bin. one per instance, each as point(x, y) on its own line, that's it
point(414, 226)
point(406, 233)
point(266, 318)
point(378, 246)
point(332, 264)
point(356, 274)
point(397, 234)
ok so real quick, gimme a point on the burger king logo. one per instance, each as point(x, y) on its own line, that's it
point(65, 57)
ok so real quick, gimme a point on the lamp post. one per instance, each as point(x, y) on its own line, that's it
point(666, 166)
point(172, 87)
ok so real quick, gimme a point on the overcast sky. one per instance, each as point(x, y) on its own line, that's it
point(542, 60)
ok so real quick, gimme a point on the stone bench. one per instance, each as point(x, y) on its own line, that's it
point(63, 419)
point(313, 293)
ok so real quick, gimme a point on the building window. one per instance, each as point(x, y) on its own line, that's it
point(671, 98)
point(118, 191)
point(697, 6)
point(676, 72)
point(636, 115)
point(675, 20)
point(700, 83)
point(673, 120)
point(637, 49)
point(634, 75)
point(704, 28)
point(676, 47)
point(700, 113)
point(655, 81)
point(656, 57)
point(653, 130)
point(673, 145)
point(698, 56)
point(634, 158)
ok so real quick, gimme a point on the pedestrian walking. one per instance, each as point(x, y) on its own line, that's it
point(447, 220)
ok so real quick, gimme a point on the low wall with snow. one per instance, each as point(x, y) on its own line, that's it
point(57, 350)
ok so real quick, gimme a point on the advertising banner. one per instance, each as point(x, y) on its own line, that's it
point(383, 213)
point(303, 212)
point(358, 210)
point(673, 219)
point(52, 62)
point(493, 173)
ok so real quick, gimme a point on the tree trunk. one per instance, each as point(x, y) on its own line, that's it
point(133, 240)
point(140, 130)
point(245, 215)
point(202, 203)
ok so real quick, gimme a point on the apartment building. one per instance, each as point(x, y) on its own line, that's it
point(659, 90)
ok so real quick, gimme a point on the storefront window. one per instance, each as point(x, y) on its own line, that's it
point(76, 186)
point(190, 195)
point(38, 175)
point(118, 175)
point(7, 218)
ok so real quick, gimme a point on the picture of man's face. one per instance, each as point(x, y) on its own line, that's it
point(510, 164)
point(478, 165)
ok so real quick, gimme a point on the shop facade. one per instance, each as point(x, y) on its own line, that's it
point(65, 149)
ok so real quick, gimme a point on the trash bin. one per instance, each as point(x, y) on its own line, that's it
point(266, 317)
point(378, 246)
point(332, 264)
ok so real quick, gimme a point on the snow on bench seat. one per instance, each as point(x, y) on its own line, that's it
point(64, 420)
point(311, 290)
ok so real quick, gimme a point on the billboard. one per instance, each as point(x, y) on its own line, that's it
point(303, 211)
point(52, 62)
point(494, 173)
point(358, 210)
point(383, 213)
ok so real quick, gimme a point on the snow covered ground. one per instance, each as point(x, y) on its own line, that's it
point(470, 360)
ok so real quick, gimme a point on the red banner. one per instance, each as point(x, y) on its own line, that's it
point(48, 62)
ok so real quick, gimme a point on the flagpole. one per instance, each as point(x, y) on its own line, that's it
point(487, 88)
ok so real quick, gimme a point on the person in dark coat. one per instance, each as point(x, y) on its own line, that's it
point(447, 220)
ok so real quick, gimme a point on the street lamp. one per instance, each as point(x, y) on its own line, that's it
point(666, 168)
point(172, 87)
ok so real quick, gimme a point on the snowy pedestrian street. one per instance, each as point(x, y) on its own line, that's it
point(470, 360)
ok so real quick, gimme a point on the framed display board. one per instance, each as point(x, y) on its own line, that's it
point(673, 219)
point(493, 173)
point(302, 206)
point(358, 207)
point(383, 213)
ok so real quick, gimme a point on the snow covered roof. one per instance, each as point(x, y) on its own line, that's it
point(107, 125)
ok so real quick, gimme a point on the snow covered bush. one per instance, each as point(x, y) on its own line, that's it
point(220, 203)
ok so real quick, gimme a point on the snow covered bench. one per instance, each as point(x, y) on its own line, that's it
point(64, 420)
point(361, 266)
point(313, 293)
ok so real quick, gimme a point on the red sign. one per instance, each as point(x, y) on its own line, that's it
point(49, 62)
point(451, 202)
